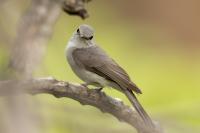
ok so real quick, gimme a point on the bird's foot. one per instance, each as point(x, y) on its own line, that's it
point(99, 89)
point(85, 85)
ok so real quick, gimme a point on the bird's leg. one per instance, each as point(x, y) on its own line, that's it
point(85, 84)
point(99, 86)
point(99, 89)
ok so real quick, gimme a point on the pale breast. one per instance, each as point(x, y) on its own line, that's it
point(81, 72)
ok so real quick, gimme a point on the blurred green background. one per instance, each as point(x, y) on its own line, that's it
point(167, 68)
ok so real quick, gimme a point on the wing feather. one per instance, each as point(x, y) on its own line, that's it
point(96, 60)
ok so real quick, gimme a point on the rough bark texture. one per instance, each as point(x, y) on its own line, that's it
point(82, 94)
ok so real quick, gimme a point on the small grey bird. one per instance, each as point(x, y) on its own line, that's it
point(91, 64)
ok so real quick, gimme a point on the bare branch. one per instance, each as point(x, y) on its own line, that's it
point(83, 95)
point(35, 29)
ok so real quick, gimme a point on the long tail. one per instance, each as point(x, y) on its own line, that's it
point(132, 98)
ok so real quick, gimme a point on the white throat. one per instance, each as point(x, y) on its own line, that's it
point(77, 42)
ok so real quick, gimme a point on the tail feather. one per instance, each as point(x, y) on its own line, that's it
point(132, 98)
point(134, 88)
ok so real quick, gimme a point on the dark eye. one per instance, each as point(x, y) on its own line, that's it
point(90, 38)
point(78, 31)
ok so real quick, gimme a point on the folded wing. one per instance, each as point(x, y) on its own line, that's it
point(94, 59)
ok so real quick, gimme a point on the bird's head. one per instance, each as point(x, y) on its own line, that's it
point(82, 37)
point(85, 32)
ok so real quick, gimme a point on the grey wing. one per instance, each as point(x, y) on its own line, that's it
point(94, 59)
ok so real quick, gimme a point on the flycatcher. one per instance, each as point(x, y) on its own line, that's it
point(91, 64)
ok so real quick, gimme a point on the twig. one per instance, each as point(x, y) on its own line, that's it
point(76, 7)
point(84, 95)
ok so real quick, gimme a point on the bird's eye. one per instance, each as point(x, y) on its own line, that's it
point(90, 38)
point(78, 31)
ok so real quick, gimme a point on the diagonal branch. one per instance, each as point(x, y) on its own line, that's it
point(82, 94)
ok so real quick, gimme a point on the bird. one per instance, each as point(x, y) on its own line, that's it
point(95, 67)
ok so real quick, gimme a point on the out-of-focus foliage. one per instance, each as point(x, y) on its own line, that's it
point(167, 70)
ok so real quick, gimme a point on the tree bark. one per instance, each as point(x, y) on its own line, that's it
point(83, 95)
